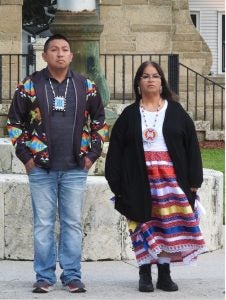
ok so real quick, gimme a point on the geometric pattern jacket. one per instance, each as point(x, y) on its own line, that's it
point(28, 120)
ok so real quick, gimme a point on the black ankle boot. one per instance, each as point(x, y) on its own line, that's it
point(164, 281)
point(145, 282)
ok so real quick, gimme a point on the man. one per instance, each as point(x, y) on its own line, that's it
point(48, 124)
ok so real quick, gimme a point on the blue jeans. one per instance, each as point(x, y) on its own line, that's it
point(62, 190)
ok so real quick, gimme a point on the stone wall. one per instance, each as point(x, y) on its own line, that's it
point(153, 26)
point(10, 26)
point(105, 230)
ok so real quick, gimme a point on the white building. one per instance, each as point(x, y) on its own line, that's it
point(209, 19)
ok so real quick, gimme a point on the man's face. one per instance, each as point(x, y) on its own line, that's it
point(58, 54)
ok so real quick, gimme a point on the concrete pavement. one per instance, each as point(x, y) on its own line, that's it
point(116, 280)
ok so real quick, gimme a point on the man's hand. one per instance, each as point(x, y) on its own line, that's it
point(88, 163)
point(29, 165)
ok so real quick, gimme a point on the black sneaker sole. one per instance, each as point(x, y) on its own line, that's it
point(39, 291)
point(80, 290)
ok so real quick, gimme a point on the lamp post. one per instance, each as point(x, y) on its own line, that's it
point(78, 20)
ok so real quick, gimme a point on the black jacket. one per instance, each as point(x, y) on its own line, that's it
point(125, 168)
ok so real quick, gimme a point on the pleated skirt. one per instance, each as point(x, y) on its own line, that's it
point(174, 227)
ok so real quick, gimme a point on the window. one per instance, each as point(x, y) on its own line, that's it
point(221, 42)
point(195, 17)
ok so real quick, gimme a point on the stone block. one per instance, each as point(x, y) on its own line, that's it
point(160, 3)
point(2, 217)
point(184, 28)
point(135, 2)
point(141, 15)
point(10, 20)
point(187, 46)
point(2, 132)
point(11, 2)
point(99, 165)
point(127, 250)
point(202, 125)
point(111, 2)
point(9, 163)
point(211, 196)
point(120, 47)
point(114, 21)
point(183, 17)
point(162, 42)
point(150, 28)
point(3, 120)
point(215, 135)
point(102, 224)
point(102, 235)
point(4, 108)
point(180, 4)
point(120, 38)
point(117, 108)
point(105, 230)
point(5, 156)
point(187, 37)
point(18, 218)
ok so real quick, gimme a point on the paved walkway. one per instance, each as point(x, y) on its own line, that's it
point(116, 280)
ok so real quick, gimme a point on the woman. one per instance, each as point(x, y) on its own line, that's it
point(154, 168)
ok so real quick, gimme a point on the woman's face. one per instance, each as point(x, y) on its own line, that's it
point(150, 82)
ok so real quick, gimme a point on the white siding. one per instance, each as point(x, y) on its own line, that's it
point(209, 31)
point(206, 5)
point(209, 10)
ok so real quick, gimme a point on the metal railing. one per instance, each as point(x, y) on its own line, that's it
point(119, 71)
point(201, 96)
point(13, 68)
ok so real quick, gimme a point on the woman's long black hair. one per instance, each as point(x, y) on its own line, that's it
point(166, 92)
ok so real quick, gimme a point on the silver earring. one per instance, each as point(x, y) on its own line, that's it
point(160, 90)
point(138, 88)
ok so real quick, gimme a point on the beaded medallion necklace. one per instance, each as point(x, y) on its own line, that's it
point(59, 102)
point(150, 133)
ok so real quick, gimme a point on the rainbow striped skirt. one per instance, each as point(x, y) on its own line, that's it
point(174, 227)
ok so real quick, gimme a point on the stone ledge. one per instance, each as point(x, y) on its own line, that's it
point(104, 237)
point(215, 135)
point(10, 164)
point(105, 230)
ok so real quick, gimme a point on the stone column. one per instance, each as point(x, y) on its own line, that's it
point(187, 41)
point(79, 22)
point(38, 48)
point(11, 26)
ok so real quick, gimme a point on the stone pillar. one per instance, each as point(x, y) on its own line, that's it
point(187, 41)
point(38, 48)
point(142, 26)
point(11, 26)
point(79, 22)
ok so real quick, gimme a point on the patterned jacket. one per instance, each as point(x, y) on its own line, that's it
point(28, 120)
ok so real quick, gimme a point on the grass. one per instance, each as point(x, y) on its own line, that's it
point(213, 159)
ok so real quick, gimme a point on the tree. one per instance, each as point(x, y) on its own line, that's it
point(34, 12)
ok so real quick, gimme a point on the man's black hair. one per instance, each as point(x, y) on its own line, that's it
point(56, 36)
